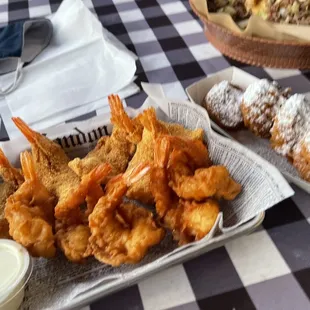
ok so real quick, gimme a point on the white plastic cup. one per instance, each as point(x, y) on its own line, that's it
point(15, 271)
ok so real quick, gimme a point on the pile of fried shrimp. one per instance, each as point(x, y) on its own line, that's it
point(78, 205)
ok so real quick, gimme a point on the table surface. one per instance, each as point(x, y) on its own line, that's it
point(269, 269)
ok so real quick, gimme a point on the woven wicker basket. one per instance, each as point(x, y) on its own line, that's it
point(257, 51)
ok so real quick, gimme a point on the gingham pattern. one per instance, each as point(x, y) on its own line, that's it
point(270, 269)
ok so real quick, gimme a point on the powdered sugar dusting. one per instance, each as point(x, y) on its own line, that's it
point(292, 123)
point(262, 100)
point(224, 101)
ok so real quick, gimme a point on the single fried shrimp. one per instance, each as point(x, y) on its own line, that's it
point(209, 182)
point(119, 118)
point(116, 149)
point(73, 241)
point(89, 191)
point(51, 162)
point(8, 173)
point(122, 232)
point(188, 220)
point(72, 230)
point(12, 179)
point(29, 212)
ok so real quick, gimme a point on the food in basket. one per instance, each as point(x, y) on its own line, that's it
point(223, 105)
point(278, 11)
point(281, 11)
point(153, 127)
point(117, 149)
point(186, 186)
point(30, 212)
point(12, 179)
point(302, 157)
point(51, 162)
point(72, 229)
point(235, 8)
point(291, 123)
point(260, 103)
point(84, 213)
point(272, 112)
point(122, 232)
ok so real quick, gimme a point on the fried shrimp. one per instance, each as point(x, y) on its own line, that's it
point(51, 162)
point(8, 173)
point(188, 220)
point(12, 179)
point(209, 182)
point(116, 149)
point(141, 190)
point(122, 232)
point(72, 230)
point(29, 212)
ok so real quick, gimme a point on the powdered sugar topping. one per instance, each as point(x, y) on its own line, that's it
point(224, 101)
point(293, 123)
point(261, 92)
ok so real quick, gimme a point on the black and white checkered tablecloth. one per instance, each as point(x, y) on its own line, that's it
point(270, 269)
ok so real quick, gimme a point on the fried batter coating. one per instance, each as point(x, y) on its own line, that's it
point(51, 163)
point(12, 179)
point(290, 124)
point(72, 231)
point(6, 190)
point(122, 232)
point(188, 220)
point(260, 103)
point(73, 241)
point(153, 128)
point(29, 212)
point(302, 158)
point(8, 173)
point(209, 182)
point(117, 149)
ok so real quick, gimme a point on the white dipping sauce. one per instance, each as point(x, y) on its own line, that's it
point(14, 271)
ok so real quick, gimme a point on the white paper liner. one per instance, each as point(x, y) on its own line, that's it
point(57, 283)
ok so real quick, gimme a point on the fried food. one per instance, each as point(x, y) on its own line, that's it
point(72, 230)
point(188, 220)
point(122, 232)
point(117, 149)
point(73, 241)
point(259, 106)
point(12, 179)
point(302, 157)
point(153, 128)
point(291, 123)
point(51, 163)
point(223, 105)
point(30, 212)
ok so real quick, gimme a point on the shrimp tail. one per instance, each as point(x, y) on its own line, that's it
point(99, 173)
point(135, 174)
point(28, 167)
point(25, 129)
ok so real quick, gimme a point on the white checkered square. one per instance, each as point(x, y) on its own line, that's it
point(39, 11)
point(188, 27)
point(154, 62)
point(173, 8)
point(142, 36)
point(166, 289)
point(131, 15)
point(256, 258)
point(204, 51)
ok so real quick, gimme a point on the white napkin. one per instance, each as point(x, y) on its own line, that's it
point(83, 64)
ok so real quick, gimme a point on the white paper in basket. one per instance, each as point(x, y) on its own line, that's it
point(55, 283)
